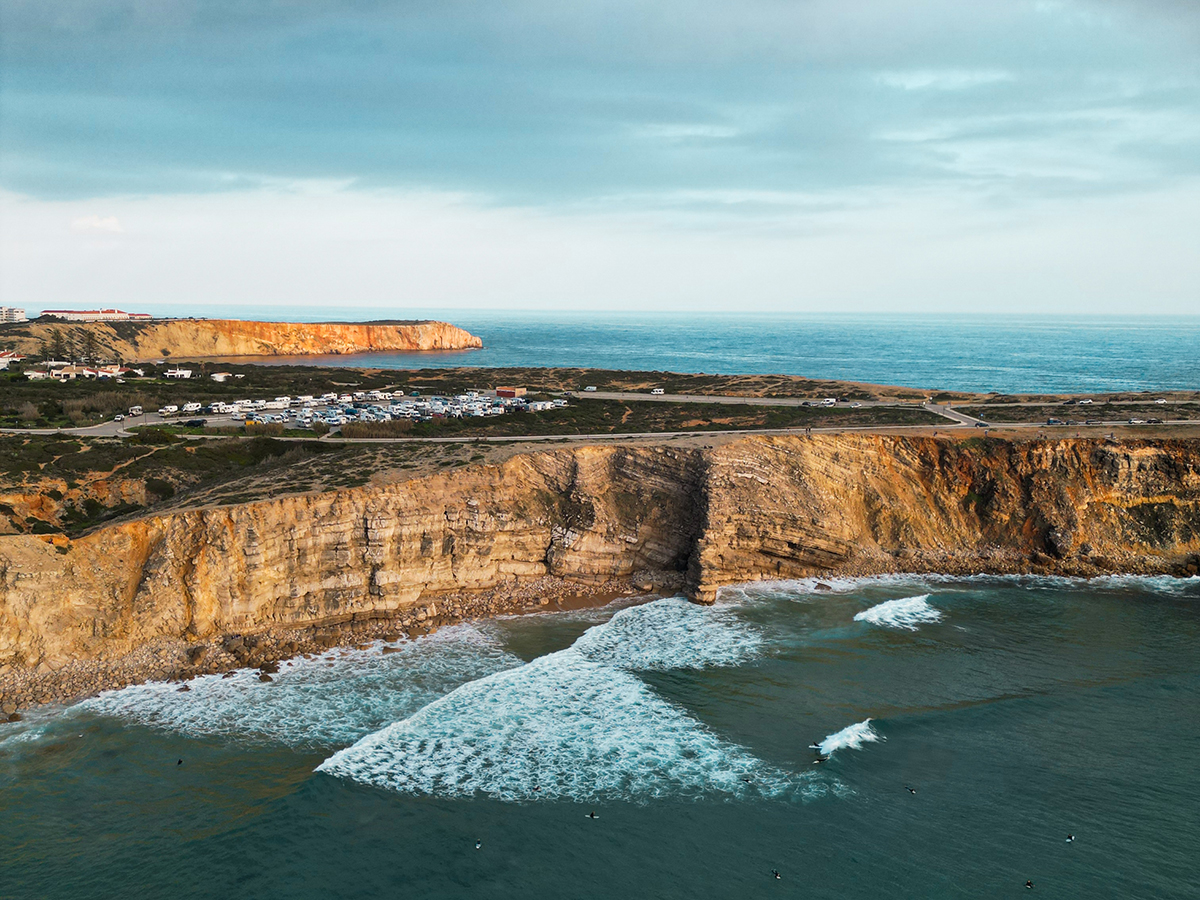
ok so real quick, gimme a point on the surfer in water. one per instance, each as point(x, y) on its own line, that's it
point(1029, 884)
point(775, 872)
point(592, 815)
point(1070, 838)
point(910, 789)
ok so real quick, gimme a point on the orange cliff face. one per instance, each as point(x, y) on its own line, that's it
point(199, 338)
point(232, 337)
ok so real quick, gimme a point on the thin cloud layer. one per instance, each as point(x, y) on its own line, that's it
point(766, 120)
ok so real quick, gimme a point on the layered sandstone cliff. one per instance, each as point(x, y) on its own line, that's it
point(192, 338)
point(753, 509)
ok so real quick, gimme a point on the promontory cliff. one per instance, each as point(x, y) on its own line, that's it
point(193, 338)
point(757, 508)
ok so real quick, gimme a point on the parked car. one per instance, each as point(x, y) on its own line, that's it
point(118, 418)
point(195, 423)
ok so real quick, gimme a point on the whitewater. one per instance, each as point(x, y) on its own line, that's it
point(690, 731)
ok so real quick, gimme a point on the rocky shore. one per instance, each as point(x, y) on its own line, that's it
point(176, 660)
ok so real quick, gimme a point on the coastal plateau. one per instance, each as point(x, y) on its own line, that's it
point(756, 508)
point(198, 338)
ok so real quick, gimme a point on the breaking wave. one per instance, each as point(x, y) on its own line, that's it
point(671, 634)
point(561, 727)
point(329, 700)
point(908, 613)
point(578, 724)
point(852, 737)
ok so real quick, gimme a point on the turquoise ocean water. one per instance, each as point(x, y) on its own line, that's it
point(1019, 710)
point(974, 353)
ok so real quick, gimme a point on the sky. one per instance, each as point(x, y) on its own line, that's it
point(925, 156)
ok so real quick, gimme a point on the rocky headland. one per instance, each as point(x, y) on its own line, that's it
point(199, 338)
point(202, 589)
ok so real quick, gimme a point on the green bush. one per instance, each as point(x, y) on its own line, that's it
point(397, 428)
point(154, 437)
point(270, 429)
point(164, 490)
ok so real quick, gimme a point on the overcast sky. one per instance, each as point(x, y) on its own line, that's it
point(834, 155)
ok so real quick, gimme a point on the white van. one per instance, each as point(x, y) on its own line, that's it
point(829, 401)
point(135, 410)
point(168, 411)
point(591, 389)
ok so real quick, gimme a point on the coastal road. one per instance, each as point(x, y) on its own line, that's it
point(952, 414)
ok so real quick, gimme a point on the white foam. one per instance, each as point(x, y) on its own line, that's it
point(330, 700)
point(908, 612)
point(568, 726)
point(1166, 584)
point(852, 737)
point(672, 633)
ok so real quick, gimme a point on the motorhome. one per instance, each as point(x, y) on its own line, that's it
point(135, 410)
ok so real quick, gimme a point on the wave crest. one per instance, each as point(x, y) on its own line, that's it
point(672, 633)
point(852, 737)
point(907, 613)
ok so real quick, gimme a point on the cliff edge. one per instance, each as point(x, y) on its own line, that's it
point(759, 508)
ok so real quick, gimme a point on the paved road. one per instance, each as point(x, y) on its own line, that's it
point(952, 414)
point(730, 399)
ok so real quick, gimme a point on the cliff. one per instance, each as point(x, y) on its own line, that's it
point(759, 508)
point(197, 338)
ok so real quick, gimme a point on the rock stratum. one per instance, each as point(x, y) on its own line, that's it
point(198, 338)
point(758, 508)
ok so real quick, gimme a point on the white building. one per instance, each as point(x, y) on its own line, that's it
point(96, 315)
point(12, 314)
point(178, 373)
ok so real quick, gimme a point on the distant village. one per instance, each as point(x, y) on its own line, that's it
point(331, 410)
point(62, 369)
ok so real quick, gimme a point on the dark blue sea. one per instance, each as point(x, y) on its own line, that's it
point(969, 727)
point(966, 353)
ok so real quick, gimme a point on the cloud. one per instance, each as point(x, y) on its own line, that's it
point(946, 80)
point(321, 249)
point(93, 223)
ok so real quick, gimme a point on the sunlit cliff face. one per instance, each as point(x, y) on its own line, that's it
point(760, 508)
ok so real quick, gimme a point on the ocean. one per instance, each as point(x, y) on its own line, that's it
point(969, 726)
point(1050, 354)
